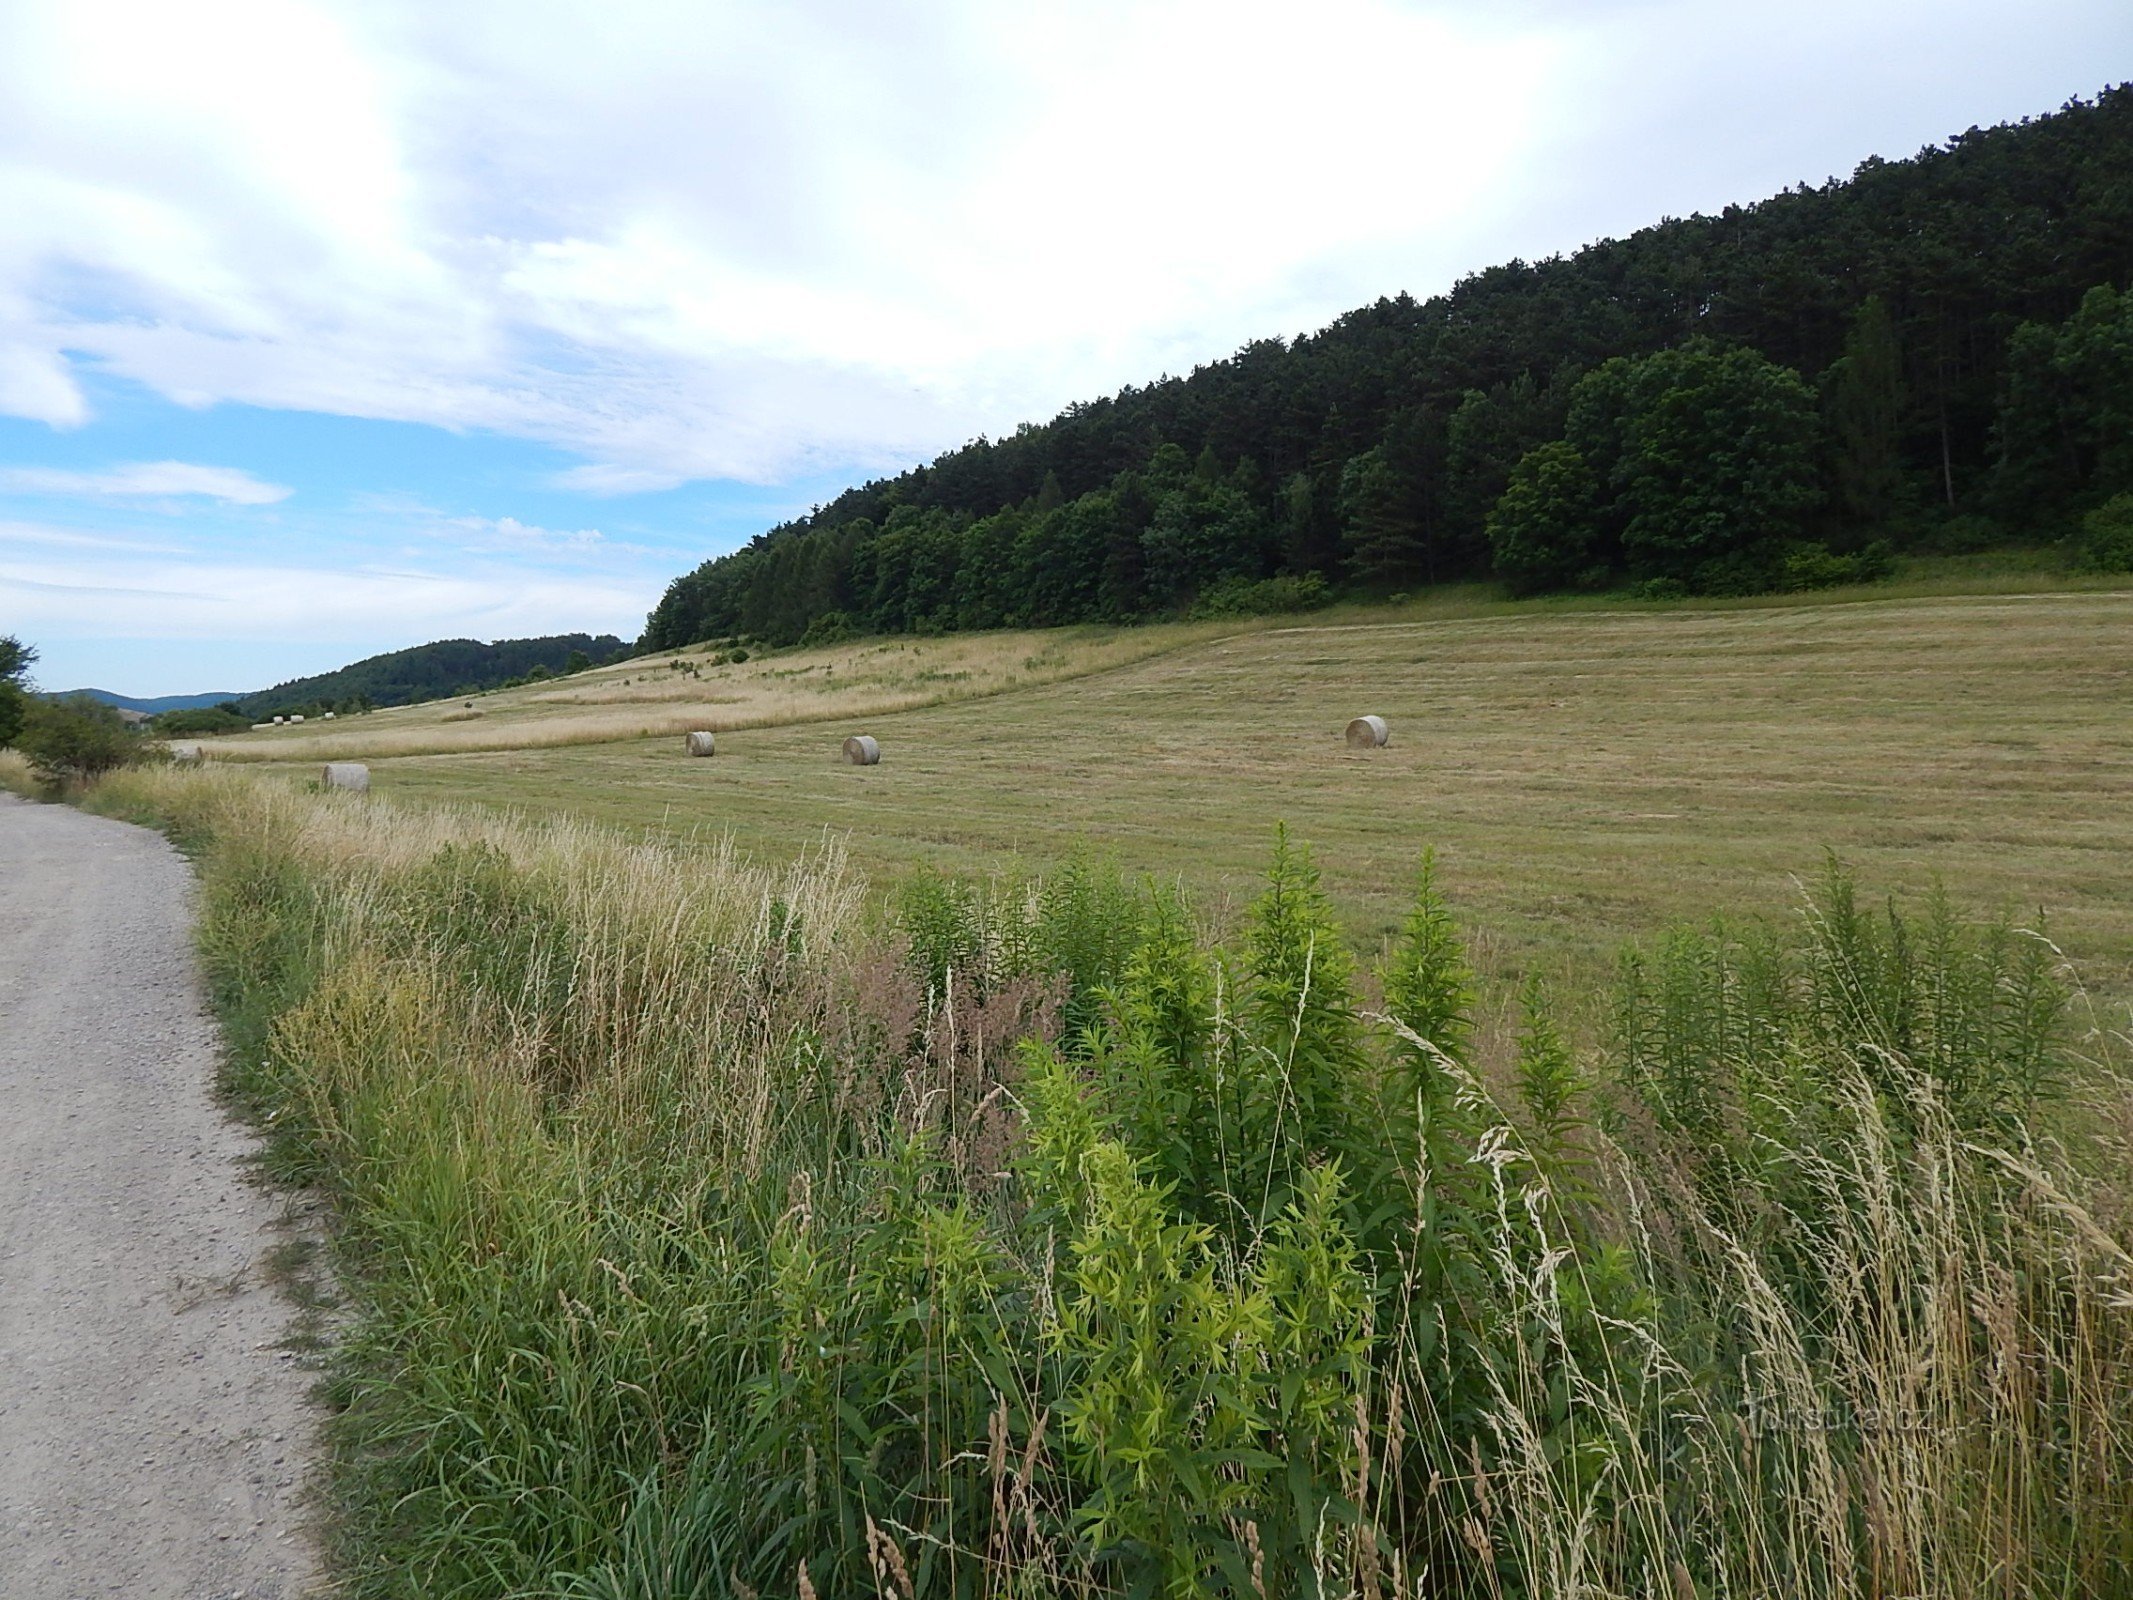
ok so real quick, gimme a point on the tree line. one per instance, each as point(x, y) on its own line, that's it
point(433, 671)
point(1936, 353)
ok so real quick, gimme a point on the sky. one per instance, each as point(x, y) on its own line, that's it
point(327, 329)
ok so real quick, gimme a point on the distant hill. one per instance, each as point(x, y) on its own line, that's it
point(429, 672)
point(150, 706)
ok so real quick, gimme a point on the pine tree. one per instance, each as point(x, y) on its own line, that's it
point(1865, 407)
point(1384, 539)
point(1050, 496)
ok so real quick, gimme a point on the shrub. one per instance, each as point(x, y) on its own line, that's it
point(1244, 597)
point(201, 719)
point(71, 740)
point(832, 627)
point(14, 710)
point(16, 659)
point(1963, 535)
point(2107, 536)
point(1816, 566)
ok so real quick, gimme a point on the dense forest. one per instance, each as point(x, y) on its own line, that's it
point(1936, 354)
point(433, 671)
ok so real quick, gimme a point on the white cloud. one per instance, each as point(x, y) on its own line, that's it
point(217, 601)
point(732, 239)
point(508, 533)
point(687, 238)
point(36, 533)
point(607, 479)
point(168, 479)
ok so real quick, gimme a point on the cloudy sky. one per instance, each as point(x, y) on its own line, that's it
point(331, 328)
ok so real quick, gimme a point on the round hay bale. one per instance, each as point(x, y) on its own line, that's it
point(1367, 733)
point(700, 743)
point(861, 750)
point(347, 775)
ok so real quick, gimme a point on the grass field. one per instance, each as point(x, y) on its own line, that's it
point(713, 1223)
point(1585, 774)
point(679, 690)
point(700, 1234)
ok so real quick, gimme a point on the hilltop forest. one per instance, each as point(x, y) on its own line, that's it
point(432, 672)
point(1936, 354)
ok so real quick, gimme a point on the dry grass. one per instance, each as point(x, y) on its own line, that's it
point(1585, 774)
point(654, 697)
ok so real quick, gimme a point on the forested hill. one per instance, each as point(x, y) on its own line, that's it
point(432, 671)
point(1933, 352)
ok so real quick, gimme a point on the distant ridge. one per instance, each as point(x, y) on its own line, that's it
point(431, 672)
point(153, 704)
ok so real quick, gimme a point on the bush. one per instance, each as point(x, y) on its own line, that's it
point(16, 659)
point(1245, 597)
point(832, 627)
point(2107, 536)
point(70, 740)
point(1816, 566)
point(14, 709)
point(201, 719)
point(1963, 536)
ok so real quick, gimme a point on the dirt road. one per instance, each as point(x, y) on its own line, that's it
point(152, 1432)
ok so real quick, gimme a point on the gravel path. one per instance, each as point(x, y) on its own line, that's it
point(152, 1433)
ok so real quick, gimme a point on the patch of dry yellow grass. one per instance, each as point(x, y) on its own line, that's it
point(675, 691)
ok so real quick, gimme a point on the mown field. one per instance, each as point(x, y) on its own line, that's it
point(1586, 775)
point(726, 1210)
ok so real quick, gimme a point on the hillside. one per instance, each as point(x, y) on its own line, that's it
point(430, 672)
point(154, 704)
point(1925, 356)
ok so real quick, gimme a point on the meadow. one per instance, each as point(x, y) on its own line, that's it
point(1584, 773)
point(702, 687)
point(1633, 1135)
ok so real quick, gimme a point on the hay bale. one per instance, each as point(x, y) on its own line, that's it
point(861, 750)
point(185, 752)
point(330, 716)
point(297, 718)
point(278, 721)
point(700, 743)
point(1367, 733)
point(347, 775)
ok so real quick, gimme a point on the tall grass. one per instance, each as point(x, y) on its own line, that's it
point(710, 1231)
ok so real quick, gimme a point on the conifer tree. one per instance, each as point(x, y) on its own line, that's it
point(1865, 406)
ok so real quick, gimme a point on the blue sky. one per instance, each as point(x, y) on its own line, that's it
point(331, 328)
